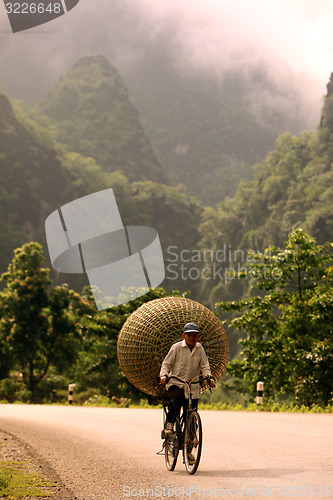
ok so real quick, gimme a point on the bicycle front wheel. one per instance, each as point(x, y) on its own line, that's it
point(193, 442)
point(171, 448)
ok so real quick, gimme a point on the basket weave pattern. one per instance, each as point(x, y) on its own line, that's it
point(150, 331)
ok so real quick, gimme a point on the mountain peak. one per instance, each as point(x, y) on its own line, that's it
point(326, 121)
point(92, 112)
point(330, 86)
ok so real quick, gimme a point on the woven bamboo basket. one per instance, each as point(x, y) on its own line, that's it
point(150, 331)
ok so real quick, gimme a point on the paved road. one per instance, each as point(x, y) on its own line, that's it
point(110, 453)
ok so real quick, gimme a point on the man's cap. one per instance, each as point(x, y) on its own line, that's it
point(191, 328)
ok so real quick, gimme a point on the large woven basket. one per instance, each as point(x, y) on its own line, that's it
point(150, 331)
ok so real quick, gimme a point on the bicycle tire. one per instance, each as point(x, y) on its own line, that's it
point(171, 448)
point(193, 442)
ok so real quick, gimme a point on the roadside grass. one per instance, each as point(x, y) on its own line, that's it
point(268, 407)
point(17, 481)
point(219, 406)
point(99, 400)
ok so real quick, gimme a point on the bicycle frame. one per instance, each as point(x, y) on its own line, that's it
point(188, 434)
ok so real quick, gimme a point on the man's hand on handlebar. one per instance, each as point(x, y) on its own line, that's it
point(164, 381)
point(209, 381)
point(212, 383)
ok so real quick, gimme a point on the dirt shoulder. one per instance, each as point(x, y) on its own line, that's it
point(14, 450)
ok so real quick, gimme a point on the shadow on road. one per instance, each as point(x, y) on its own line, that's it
point(262, 473)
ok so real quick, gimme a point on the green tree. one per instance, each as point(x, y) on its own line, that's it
point(288, 343)
point(97, 363)
point(38, 324)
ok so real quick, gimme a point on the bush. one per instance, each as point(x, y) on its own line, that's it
point(13, 390)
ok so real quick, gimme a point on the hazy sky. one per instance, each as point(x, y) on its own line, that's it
point(290, 34)
point(299, 32)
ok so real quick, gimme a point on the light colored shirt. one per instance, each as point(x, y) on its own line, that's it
point(185, 364)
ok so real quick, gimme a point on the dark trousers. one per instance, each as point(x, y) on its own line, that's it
point(177, 400)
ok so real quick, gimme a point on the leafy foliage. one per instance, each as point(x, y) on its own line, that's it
point(97, 364)
point(90, 112)
point(37, 326)
point(30, 177)
point(288, 343)
point(54, 176)
point(292, 189)
point(51, 335)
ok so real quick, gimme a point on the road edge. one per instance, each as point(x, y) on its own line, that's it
point(14, 449)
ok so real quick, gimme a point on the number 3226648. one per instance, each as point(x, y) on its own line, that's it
point(32, 8)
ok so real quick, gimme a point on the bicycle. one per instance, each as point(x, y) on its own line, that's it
point(187, 436)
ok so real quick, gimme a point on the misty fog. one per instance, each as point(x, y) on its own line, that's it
point(212, 37)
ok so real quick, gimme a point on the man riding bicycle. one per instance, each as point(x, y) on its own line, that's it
point(186, 360)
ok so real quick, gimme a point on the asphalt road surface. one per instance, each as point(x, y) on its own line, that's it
point(110, 453)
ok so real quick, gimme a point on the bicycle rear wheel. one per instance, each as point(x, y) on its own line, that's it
point(171, 448)
point(193, 442)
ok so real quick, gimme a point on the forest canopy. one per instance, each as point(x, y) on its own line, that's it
point(85, 135)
